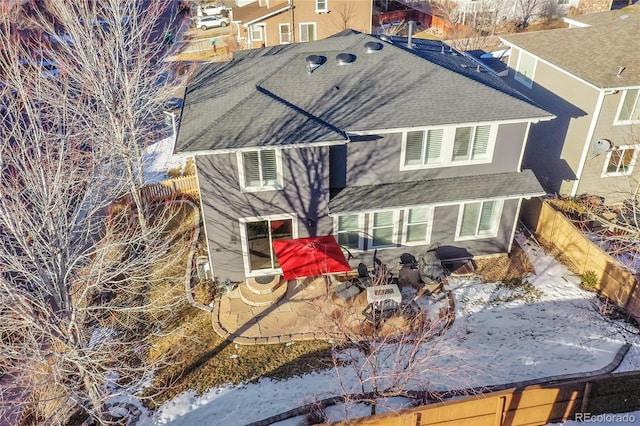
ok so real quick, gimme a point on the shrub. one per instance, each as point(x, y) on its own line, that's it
point(590, 279)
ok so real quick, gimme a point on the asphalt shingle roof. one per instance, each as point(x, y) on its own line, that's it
point(436, 191)
point(267, 97)
point(595, 53)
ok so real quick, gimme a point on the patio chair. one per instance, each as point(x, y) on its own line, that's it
point(347, 290)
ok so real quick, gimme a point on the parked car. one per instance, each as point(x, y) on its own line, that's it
point(214, 10)
point(207, 22)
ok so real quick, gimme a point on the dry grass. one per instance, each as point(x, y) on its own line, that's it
point(202, 359)
point(515, 265)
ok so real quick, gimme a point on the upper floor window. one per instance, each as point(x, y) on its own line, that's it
point(629, 110)
point(347, 231)
point(525, 68)
point(285, 34)
point(308, 31)
point(260, 170)
point(471, 143)
point(620, 161)
point(479, 220)
point(321, 5)
point(417, 225)
point(448, 146)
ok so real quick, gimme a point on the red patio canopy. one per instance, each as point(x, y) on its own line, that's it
point(310, 257)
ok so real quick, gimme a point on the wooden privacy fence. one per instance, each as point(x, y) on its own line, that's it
point(615, 281)
point(532, 405)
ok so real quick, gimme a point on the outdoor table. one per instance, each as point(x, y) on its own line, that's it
point(379, 293)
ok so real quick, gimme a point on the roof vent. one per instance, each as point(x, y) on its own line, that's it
point(386, 38)
point(373, 46)
point(314, 61)
point(345, 58)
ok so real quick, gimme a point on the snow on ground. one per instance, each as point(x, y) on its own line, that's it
point(499, 336)
point(159, 157)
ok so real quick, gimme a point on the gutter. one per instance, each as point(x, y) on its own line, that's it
point(587, 142)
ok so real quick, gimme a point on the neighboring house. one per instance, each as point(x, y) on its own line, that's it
point(273, 22)
point(588, 75)
point(385, 147)
point(471, 10)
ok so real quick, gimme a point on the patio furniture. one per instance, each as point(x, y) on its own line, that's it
point(381, 293)
point(347, 290)
point(376, 313)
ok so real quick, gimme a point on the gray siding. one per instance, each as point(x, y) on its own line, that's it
point(376, 159)
point(305, 195)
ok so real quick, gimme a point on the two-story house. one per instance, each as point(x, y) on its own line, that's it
point(588, 75)
point(272, 22)
point(387, 144)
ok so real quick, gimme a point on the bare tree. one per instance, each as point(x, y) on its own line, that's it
point(526, 10)
point(84, 287)
point(398, 352)
point(344, 12)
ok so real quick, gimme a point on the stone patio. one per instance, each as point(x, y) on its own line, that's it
point(309, 310)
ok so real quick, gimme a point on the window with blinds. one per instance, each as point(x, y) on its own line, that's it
point(382, 229)
point(321, 5)
point(479, 219)
point(423, 147)
point(348, 231)
point(451, 145)
point(417, 225)
point(260, 169)
point(471, 143)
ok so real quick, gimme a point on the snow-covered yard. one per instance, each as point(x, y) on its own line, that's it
point(500, 335)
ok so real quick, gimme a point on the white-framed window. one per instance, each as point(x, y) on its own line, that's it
point(257, 32)
point(347, 230)
point(629, 109)
point(525, 68)
point(478, 220)
point(321, 5)
point(383, 229)
point(260, 170)
point(285, 34)
point(424, 147)
point(620, 161)
point(471, 143)
point(449, 146)
point(307, 31)
point(417, 225)
point(257, 235)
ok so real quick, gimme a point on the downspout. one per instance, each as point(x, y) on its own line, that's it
point(292, 21)
point(587, 144)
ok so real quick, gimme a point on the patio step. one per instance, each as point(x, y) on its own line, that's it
point(254, 299)
point(264, 285)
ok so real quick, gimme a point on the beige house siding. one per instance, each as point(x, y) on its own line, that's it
point(593, 6)
point(613, 188)
point(341, 15)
